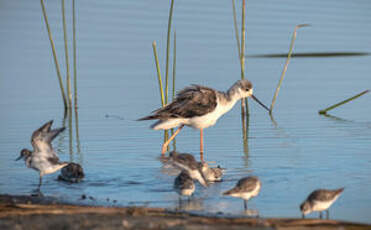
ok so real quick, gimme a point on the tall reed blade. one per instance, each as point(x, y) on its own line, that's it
point(154, 46)
point(324, 111)
point(286, 65)
point(69, 94)
point(70, 137)
point(174, 74)
point(168, 51)
point(54, 55)
point(244, 103)
point(243, 39)
point(236, 31)
point(74, 53)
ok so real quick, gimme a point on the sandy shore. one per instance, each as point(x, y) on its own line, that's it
point(27, 212)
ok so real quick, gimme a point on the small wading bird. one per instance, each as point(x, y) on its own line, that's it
point(199, 107)
point(43, 158)
point(188, 163)
point(246, 188)
point(320, 200)
point(72, 173)
point(184, 185)
point(212, 174)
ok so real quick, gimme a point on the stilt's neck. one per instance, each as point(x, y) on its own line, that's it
point(233, 94)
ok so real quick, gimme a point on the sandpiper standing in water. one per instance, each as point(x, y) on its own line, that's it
point(188, 163)
point(320, 200)
point(199, 107)
point(43, 158)
point(246, 188)
point(184, 184)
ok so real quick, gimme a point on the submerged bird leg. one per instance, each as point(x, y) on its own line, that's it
point(202, 145)
point(164, 146)
point(327, 214)
point(245, 204)
point(40, 182)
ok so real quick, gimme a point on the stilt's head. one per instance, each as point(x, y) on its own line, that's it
point(305, 208)
point(25, 153)
point(243, 88)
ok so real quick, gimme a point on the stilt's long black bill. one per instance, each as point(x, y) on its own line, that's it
point(259, 102)
point(20, 157)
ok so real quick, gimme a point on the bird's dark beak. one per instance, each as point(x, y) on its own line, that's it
point(259, 102)
point(20, 157)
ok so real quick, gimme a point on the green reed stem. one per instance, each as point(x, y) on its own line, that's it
point(236, 31)
point(159, 82)
point(244, 103)
point(243, 40)
point(174, 74)
point(69, 94)
point(324, 111)
point(174, 65)
point(168, 51)
point(70, 138)
point(286, 65)
point(158, 73)
point(74, 53)
point(54, 55)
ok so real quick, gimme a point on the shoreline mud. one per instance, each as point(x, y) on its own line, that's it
point(30, 212)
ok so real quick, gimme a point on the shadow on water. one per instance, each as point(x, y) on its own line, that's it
point(335, 118)
point(311, 54)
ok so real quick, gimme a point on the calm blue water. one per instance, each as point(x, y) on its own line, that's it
point(116, 77)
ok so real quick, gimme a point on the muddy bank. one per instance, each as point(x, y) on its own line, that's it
point(26, 212)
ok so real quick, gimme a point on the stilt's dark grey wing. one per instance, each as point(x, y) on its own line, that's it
point(192, 101)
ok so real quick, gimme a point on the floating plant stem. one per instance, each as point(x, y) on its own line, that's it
point(286, 65)
point(54, 55)
point(69, 94)
point(324, 111)
point(74, 54)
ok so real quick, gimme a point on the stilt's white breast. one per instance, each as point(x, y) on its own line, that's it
point(209, 119)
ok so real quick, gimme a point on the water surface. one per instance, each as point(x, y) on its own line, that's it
point(117, 84)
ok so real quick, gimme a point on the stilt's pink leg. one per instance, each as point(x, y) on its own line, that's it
point(164, 146)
